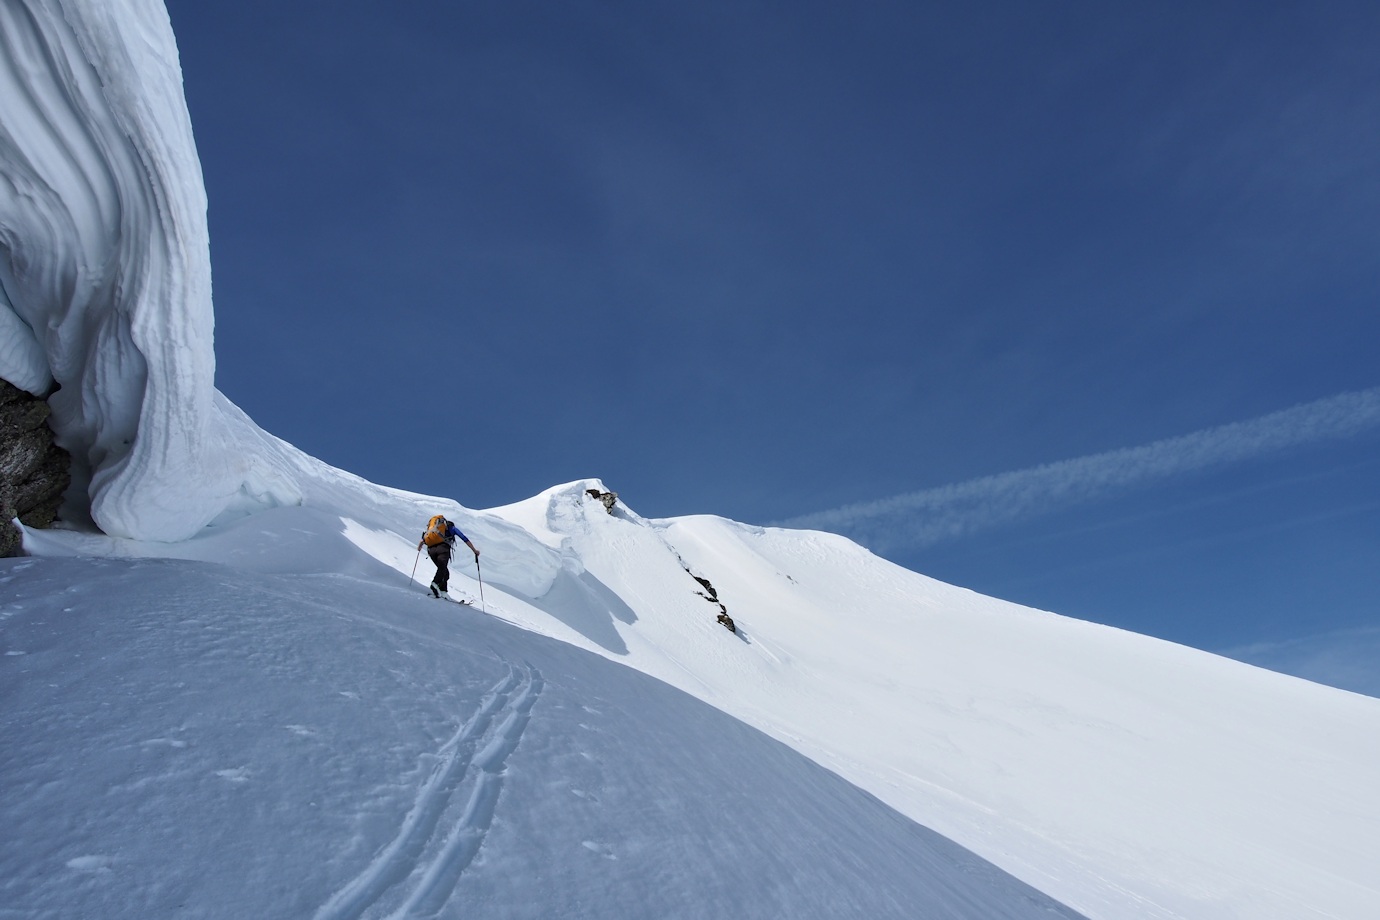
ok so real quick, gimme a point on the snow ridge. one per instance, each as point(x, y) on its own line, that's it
point(1122, 776)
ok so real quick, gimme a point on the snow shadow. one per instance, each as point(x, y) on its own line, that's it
point(588, 606)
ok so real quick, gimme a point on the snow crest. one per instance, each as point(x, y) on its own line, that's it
point(104, 260)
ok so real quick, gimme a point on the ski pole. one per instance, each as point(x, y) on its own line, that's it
point(413, 576)
point(481, 584)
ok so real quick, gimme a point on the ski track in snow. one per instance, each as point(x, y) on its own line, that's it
point(479, 752)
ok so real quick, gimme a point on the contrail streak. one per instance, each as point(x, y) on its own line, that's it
point(919, 519)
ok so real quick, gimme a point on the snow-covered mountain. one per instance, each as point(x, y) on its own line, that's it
point(231, 698)
point(233, 739)
point(276, 699)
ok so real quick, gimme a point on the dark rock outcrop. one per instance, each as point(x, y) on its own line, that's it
point(34, 472)
point(608, 498)
point(713, 597)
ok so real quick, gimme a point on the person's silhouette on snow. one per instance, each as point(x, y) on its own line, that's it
point(439, 538)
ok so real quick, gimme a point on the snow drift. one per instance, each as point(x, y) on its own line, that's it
point(194, 739)
point(146, 704)
point(1122, 776)
point(105, 273)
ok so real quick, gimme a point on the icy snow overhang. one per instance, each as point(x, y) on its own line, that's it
point(104, 259)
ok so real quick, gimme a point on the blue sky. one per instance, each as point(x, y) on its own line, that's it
point(768, 259)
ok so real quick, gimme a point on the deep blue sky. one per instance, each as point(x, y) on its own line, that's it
point(761, 259)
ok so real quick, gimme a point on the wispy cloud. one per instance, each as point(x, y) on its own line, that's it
point(920, 519)
point(1346, 658)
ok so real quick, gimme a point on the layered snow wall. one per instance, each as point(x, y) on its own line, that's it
point(105, 273)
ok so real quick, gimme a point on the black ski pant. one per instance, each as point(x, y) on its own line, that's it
point(440, 554)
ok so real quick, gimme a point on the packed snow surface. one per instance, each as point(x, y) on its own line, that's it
point(237, 702)
point(194, 739)
point(276, 700)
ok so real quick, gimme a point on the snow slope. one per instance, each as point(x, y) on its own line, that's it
point(1122, 776)
point(254, 718)
point(194, 739)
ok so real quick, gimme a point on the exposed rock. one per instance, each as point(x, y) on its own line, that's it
point(34, 472)
point(713, 597)
point(608, 498)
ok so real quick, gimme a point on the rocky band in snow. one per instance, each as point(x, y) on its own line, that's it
point(34, 472)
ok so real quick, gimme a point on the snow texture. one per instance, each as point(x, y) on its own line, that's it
point(104, 259)
point(278, 700)
point(237, 701)
point(195, 739)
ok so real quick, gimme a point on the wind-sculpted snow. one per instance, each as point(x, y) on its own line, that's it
point(1126, 777)
point(104, 259)
point(185, 739)
point(105, 291)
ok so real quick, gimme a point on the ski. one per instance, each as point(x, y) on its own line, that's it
point(462, 601)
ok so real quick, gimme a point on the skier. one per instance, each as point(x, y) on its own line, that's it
point(439, 538)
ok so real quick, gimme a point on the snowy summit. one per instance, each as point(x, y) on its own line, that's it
point(224, 691)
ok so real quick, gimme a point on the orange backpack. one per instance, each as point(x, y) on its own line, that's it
point(436, 531)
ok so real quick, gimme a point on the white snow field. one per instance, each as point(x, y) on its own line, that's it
point(192, 739)
point(233, 702)
point(268, 720)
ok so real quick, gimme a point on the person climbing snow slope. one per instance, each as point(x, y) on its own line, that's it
point(439, 539)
